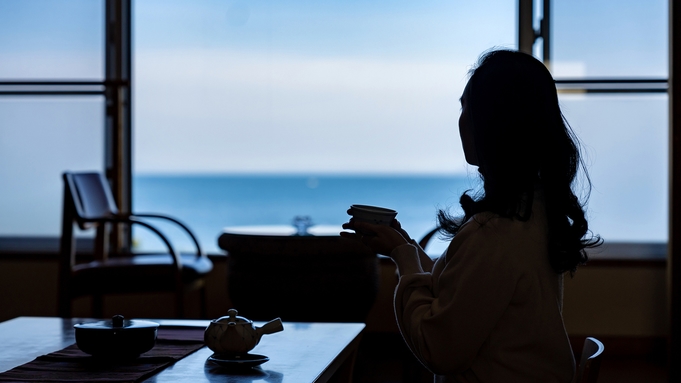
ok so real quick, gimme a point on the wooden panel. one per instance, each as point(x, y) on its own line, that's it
point(674, 262)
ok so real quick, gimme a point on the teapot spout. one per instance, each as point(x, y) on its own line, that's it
point(270, 327)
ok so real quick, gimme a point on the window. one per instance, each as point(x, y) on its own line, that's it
point(318, 96)
point(622, 118)
point(42, 135)
point(624, 140)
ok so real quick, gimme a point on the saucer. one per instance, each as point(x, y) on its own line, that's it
point(238, 360)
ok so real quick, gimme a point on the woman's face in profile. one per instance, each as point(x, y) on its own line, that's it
point(466, 131)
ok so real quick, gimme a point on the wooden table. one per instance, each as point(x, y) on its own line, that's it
point(303, 352)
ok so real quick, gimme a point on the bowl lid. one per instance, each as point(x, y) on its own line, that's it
point(118, 322)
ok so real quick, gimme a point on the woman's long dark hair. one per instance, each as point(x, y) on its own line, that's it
point(523, 142)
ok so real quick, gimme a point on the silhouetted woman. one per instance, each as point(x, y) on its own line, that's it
point(489, 309)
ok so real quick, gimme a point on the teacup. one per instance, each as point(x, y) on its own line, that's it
point(372, 214)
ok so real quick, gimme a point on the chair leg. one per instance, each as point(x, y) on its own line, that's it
point(64, 299)
point(65, 307)
point(97, 306)
point(179, 304)
point(202, 301)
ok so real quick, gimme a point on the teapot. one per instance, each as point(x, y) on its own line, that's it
point(233, 334)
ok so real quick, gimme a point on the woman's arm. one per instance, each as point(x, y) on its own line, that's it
point(425, 260)
point(384, 240)
point(410, 259)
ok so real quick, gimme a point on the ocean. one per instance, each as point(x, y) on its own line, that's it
point(208, 203)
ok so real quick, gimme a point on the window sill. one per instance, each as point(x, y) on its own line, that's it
point(626, 254)
point(629, 254)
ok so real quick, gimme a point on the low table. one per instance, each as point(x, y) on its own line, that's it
point(319, 277)
point(303, 352)
point(282, 230)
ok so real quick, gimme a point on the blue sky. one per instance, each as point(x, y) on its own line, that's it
point(312, 80)
point(308, 86)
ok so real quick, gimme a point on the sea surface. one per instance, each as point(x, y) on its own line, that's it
point(208, 203)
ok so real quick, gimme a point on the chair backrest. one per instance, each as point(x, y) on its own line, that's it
point(87, 197)
point(91, 195)
point(590, 362)
point(426, 238)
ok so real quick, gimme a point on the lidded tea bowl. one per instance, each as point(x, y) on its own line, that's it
point(118, 338)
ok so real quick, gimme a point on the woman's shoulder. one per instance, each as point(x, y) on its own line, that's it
point(488, 222)
point(472, 229)
point(488, 230)
point(487, 241)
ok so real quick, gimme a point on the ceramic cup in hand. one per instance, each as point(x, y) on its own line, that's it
point(372, 214)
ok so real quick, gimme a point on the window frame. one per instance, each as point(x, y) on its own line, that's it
point(117, 89)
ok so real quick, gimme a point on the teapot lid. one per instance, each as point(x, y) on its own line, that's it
point(233, 318)
point(118, 322)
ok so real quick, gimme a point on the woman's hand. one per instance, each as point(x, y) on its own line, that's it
point(380, 238)
point(395, 224)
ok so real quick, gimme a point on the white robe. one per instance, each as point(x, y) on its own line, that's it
point(488, 310)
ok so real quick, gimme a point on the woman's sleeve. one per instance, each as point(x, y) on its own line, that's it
point(425, 260)
point(446, 330)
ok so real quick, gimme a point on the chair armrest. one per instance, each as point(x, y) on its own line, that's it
point(177, 261)
point(426, 238)
point(199, 251)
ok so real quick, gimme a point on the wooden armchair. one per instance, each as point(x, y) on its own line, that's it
point(89, 203)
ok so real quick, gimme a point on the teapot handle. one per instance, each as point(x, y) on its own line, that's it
point(271, 327)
